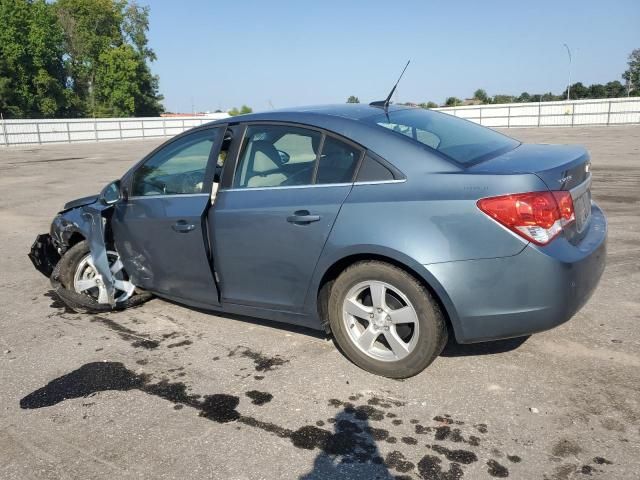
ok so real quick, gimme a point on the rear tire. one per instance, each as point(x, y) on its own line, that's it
point(384, 320)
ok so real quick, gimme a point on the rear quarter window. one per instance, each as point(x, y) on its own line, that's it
point(373, 171)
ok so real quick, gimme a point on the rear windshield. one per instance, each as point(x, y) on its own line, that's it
point(461, 140)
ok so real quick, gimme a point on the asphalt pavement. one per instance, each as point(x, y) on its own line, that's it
point(164, 391)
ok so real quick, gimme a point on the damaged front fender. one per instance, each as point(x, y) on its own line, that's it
point(88, 221)
point(93, 215)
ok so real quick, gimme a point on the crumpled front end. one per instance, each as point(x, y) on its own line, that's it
point(44, 255)
point(88, 222)
point(48, 248)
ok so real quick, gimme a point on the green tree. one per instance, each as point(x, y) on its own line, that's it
point(242, 111)
point(577, 91)
point(550, 97)
point(428, 105)
point(452, 102)
point(353, 99)
point(503, 99)
point(91, 27)
point(135, 26)
point(615, 89)
point(31, 70)
point(597, 91)
point(524, 97)
point(117, 86)
point(481, 95)
point(632, 74)
point(103, 36)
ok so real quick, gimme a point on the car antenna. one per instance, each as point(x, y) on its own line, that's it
point(385, 103)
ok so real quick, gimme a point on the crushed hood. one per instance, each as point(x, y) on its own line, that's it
point(80, 202)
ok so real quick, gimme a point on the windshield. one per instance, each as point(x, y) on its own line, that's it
point(461, 140)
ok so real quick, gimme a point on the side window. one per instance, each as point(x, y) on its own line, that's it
point(177, 169)
point(275, 156)
point(373, 171)
point(338, 161)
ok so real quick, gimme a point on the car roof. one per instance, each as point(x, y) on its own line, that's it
point(351, 111)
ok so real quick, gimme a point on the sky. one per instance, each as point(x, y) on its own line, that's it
point(276, 54)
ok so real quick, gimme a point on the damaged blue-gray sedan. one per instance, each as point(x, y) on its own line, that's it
point(390, 227)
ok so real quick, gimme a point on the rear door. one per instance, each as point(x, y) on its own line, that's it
point(160, 229)
point(273, 218)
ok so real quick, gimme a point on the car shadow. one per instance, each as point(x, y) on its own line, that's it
point(451, 349)
point(455, 349)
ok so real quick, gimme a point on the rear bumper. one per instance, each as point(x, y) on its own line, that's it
point(536, 290)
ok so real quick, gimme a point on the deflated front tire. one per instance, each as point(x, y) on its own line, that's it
point(74, 283)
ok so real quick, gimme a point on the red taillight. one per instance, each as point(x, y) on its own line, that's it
point(536, 216)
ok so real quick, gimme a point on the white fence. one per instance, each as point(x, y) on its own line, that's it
point(26, 132)
point(609, 111)
point(613, 111)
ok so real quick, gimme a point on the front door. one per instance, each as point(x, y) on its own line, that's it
point(270, 226)
point(160, 229)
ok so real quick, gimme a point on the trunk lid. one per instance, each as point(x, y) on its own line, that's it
point(560, 167)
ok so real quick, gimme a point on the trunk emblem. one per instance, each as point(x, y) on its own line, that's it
point(565, 179)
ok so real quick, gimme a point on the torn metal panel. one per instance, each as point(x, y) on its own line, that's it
point(88, 221)
point(93, 215)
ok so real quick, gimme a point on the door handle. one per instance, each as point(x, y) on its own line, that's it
point(302, 217)
point(182, 226)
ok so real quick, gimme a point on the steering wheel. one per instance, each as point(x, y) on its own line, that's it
point(190, 181)
point(158, 187)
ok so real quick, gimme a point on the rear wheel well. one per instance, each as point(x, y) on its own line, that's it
point(337, 268)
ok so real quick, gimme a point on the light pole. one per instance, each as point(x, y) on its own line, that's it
point(569, 82)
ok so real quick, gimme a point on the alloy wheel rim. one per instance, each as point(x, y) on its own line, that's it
point(380, 320)
point(86, 279)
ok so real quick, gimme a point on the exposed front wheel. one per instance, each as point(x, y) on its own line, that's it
point(82, 289)
point(86, 279)
point(384, 320)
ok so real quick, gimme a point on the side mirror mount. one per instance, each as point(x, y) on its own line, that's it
point(111, 193)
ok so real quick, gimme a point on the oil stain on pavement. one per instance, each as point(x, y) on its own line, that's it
point(353, 439)
point(262, 363)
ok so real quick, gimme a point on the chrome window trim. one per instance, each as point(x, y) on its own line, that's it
point(250, 189)
point(173, 195)
point(380, 182)
point(320, 185)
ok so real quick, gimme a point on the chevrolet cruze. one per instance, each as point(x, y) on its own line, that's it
point(389, 227)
